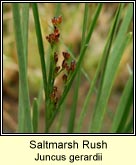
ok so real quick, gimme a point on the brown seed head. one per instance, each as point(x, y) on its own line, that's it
point(64, 77)
point(55, 57)
point(55, 89)
point(64, 64)
point(56, 20)
point(73, 65)
point(66, 55)
point(57, 68)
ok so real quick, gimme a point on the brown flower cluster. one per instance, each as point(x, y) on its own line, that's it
point(56, 20)
point(53, 95)
point(68, 65)
point(54, 37)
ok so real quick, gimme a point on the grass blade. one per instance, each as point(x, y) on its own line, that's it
point(25, 18)
point(101, 64)
point(36, 109)
point(129, 128)
point(61, 117)
point(112, 66)
point(106, 88)
point(75, 98)
point(123, 108)
point(35, 118)
point(25, 22)
point(74, 106)
point(41, 52)
point(40, 46)
point(22, 69)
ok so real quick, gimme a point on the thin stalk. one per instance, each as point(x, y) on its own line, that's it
point(35, 118)
point(25, 20)
point(61, 117)
point(58, 9)
point(72, 117)
point(129, 128)
point(40, 46)
point(42, 59)
point(75, 98)
point(123, 108)
point(25, 26)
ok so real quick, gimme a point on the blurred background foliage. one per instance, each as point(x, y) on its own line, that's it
point(71, 32)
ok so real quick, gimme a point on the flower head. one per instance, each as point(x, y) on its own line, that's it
point(72, 65)
point(56, 20)
point(53, 38)
point(66, 55)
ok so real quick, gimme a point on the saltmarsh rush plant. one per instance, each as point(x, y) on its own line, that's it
point(70, 69)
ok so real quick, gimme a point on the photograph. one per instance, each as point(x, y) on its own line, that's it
point(68, 68)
